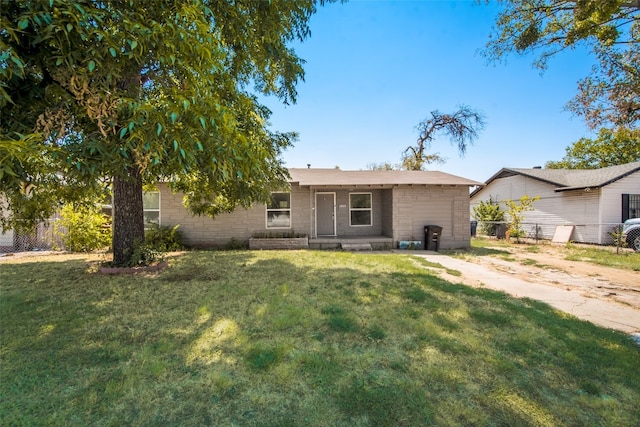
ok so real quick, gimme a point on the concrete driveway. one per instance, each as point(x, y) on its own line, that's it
point(600, 311)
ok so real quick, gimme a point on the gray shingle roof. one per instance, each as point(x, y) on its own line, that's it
point(337, 177)
point(573, 179)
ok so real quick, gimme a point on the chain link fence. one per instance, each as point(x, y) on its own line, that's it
point(45, 236)
point(605, 234)
point(48, 236)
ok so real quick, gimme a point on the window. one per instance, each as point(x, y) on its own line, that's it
point(630, 206)
point(151, 207)
point(279, 211)
point(360, 209)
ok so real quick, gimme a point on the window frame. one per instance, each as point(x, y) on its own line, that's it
point(369, 209)
point(148, 224)
point(287, 210)
point(629, 201)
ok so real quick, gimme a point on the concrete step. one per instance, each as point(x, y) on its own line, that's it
point(357, 246)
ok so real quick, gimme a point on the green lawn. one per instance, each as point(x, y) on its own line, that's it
point(626, 259)
point(297, 338)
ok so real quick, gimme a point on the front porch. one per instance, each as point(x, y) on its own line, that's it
point(351, 242)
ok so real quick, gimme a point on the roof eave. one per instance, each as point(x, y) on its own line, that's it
point(581, 187)
point(511, 172)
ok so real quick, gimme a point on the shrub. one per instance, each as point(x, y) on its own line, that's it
point(516, 214)
point(83, 228)
point(164, 239)
point(616, 235)
point(488, 213)
point(144, 255)
point(235, 244)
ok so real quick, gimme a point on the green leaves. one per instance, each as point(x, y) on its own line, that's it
point(610, 29)
point(612, 147)
point(158, 87)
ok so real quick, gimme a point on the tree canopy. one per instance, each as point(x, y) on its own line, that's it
point(609, 28)
point(121, 93)
point(612, 147)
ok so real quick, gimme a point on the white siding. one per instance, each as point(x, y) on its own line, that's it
point(580, 208)
point(6, 238)
point(611, 203)
point(612, 197)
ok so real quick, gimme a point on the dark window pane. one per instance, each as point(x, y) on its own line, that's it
point(151, 218)
point(360, 201)
point(360, 217)
point(634, 205)
point(280, 201)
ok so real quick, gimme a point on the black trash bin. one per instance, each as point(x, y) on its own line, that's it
point(501, 230)
point(474, 228)
point(432, 235)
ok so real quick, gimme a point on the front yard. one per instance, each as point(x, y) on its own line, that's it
point(290, 338)
point(607, 256)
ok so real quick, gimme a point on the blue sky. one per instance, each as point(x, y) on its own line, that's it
point(375, 69)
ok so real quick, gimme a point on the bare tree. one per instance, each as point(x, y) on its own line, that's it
point(463, 127)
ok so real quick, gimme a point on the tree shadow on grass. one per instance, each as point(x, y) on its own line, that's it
point(302, 338)
point(483, 251)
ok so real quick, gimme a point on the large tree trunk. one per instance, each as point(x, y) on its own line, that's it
point(128, 215)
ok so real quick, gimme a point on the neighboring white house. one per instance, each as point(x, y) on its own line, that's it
point(6, 236)
point(594, 201)
point(6, 239)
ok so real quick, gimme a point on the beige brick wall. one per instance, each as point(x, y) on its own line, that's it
point(448, 207)
point(239, 225)
point(400, 213)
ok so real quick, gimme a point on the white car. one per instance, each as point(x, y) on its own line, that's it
point(631, 233)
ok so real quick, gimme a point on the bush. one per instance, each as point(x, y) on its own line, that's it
point(144, 255)
point(235, 244)
point(488, 213)
point(83, 228)
point(164, 239)
point(516, 214)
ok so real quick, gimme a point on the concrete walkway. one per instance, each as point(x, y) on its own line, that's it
point(598, 311)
